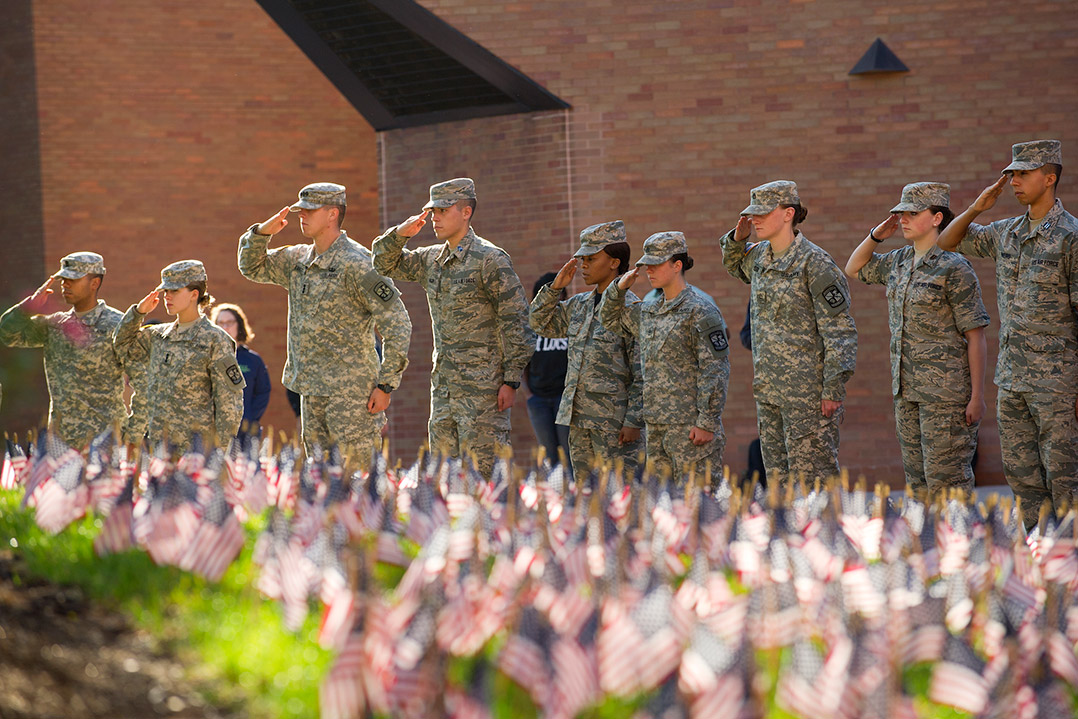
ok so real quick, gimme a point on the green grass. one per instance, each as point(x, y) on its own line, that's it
point(235, 637)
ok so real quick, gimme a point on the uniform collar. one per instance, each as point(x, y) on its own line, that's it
point(173, 327)
point(787, 258)
point(465, 244)
point(1047, 223)
point(91, 317)
point(931, 257)
point(327, 258)
point(661, 308)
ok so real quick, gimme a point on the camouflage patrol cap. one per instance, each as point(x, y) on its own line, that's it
point(767, 197)
point(593, 239)
point(661, 246)
point(320, 194)
point(448, 193)
point(1038, 153)
point(181, 274)
point(918, 196)
point(79, 264)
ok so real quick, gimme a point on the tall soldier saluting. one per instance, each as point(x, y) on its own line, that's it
point(336, 301)
point(83, 372)
point(479, 317)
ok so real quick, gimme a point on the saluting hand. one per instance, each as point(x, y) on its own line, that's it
point(629, 278)
point(149, 302)
point(743, 229)
point(886, 228)
point(988, 196)
point(412, 226)
point(565, 274)
point(274, 224)
point(40, 297)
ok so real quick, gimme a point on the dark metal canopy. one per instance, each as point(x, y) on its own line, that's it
point(878, 58)
point(402, 66)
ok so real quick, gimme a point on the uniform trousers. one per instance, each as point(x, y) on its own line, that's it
point(798, 439)
point(937, 445)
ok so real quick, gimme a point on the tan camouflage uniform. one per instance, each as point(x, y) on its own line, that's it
point(684, 351)
point(138, 420)
point(336, 301)
point(193, 381)
point(603, 383)
point(479, 319)
point(804, 342)
point(83, 372)
point(1037, 369)
point(931, 304)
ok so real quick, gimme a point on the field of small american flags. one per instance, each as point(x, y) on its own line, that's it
point(318, 586)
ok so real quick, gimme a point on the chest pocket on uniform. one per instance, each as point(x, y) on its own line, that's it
point(925, 293)
point(1044, 270)
point(317, 282)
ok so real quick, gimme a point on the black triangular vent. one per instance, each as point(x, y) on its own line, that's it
point(878, 58)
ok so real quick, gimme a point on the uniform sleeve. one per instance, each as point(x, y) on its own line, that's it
point(383, 300)
point(131, 342)
point(261, 391)
point(981, 240)
point(617, 316)
point(393, 259)
point(831, 304)
point(547, 316)
point(268, 267)
point(634, 410)
point(878, 268)
point(1071, 260)
point(226, 382)
point(964, 296)
point(18, 328)
point(736, 257)
point(713, 361)
point(507, 298)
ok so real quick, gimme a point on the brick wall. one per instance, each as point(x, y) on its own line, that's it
point(169, 127)
point(680, 108)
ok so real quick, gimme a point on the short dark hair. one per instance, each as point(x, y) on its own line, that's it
point(244, 332)
point(1054, 169)
point(101, 280)
point(800, 213)
point(945, 211)
point(684, 259)
point(340, 215)
point(621, 252)
point(468, 203)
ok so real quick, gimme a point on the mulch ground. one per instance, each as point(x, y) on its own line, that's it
point(62, 656)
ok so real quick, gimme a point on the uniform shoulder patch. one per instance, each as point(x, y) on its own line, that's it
point(231, 370)
point(714, 329)
point(833, 296)
point(382, 288)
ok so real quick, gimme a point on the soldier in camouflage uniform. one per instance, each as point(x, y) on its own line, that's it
point(1036, 256)
point(804, 343)
point(83, 372)
point(336, 301)
point(192, 379)
point(479, 318)
point(602, 400)
point(938, 348)
point(684, 351)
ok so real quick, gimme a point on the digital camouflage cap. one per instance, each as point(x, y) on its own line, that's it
point(1034, 154)
point(320, 194)
point(79, 264)
point(181, 274)
point(448, 193)
point(593, 239)
point(661, 246)
point(767, 197)
point(918, 196)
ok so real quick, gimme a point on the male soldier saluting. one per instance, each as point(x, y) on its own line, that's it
point(335, 302)
point(1036, 256)
point(479, 318)
point(83, 372)
point(602, 403)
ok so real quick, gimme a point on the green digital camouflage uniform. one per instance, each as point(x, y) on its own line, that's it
point(804, 342)
point(138, 419)
point(1037, 368)
point(479, 319)
point(336, 301)
point(684, 353)
point(192, 379)
point(603, 384)
point(931, 304)
point(83, 372)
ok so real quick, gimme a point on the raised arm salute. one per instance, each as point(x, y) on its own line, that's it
point(336, 302)
point(1036, 256)
point(479, 318)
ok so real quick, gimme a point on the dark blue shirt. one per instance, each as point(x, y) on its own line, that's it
point(256, 393)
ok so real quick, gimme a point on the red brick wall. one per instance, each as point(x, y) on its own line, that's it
point(169, 127)
point(680, 108)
